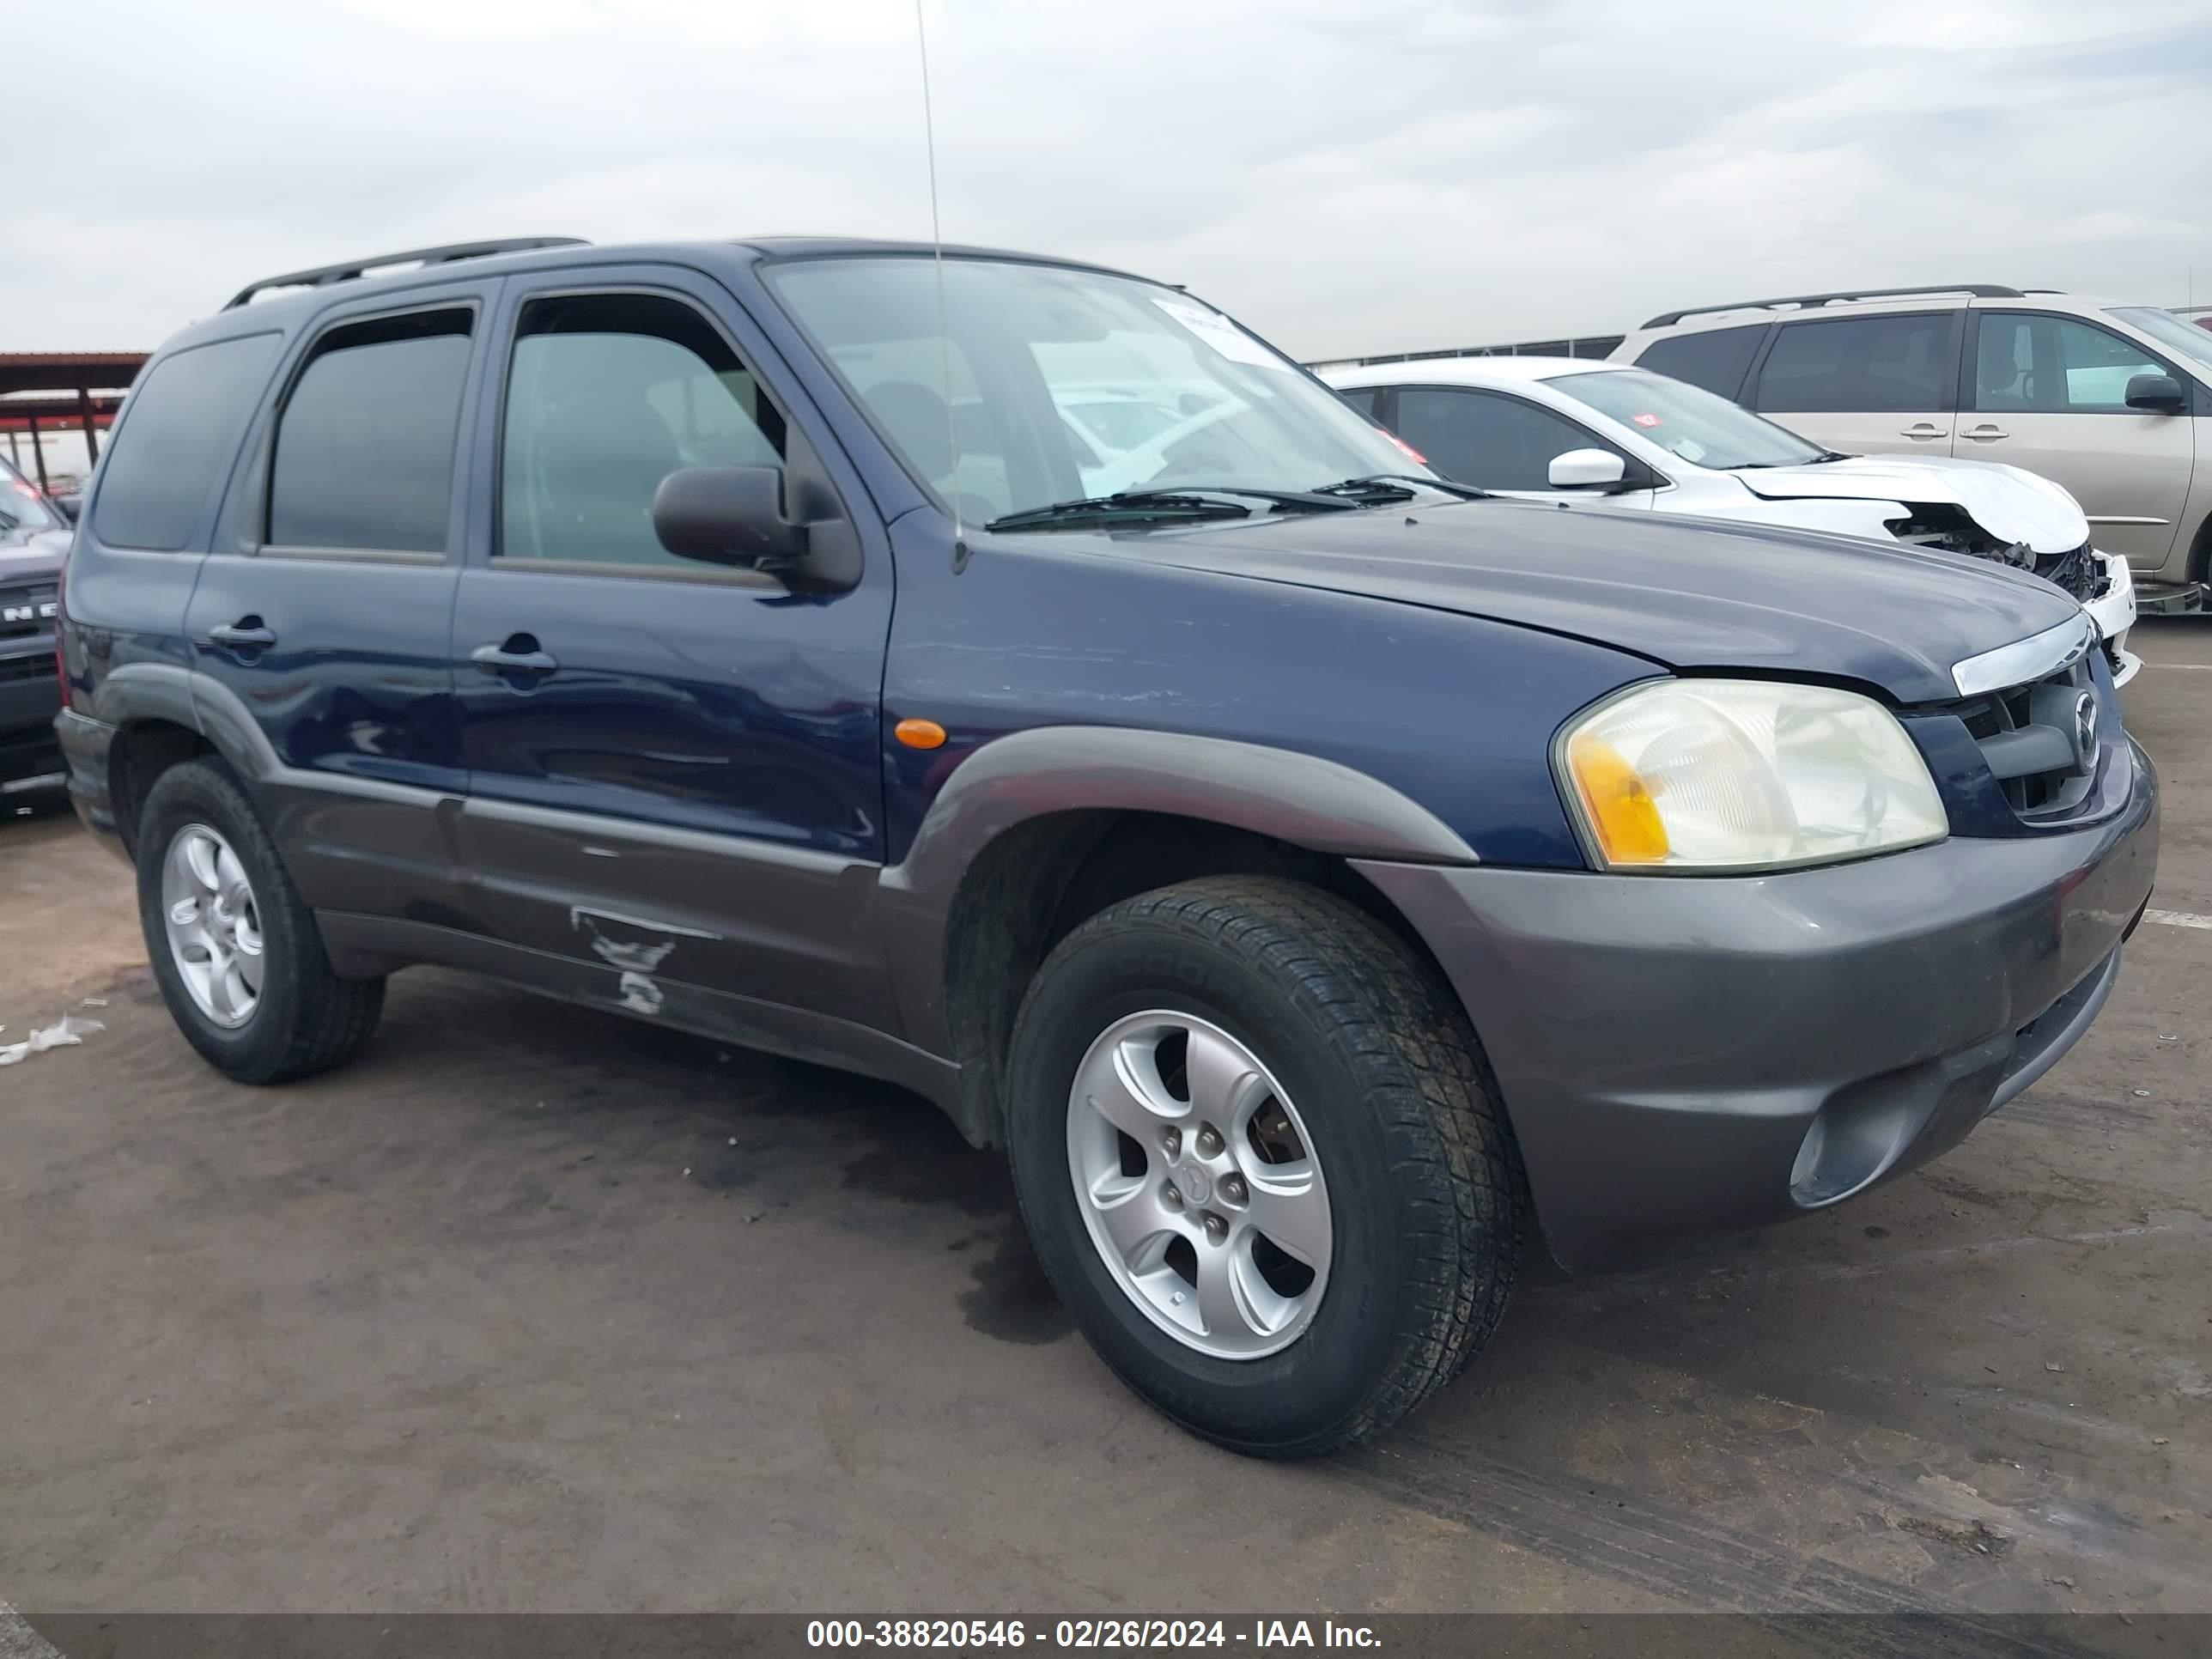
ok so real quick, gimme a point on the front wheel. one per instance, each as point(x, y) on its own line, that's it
point(1253, 1146)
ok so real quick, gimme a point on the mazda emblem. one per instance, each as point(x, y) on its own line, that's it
point(2085, 730)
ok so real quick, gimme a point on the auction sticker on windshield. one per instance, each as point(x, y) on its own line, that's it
point(1224, 337)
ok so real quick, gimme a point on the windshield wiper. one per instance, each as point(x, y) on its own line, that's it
point(1131, 507)
point(1136, 506)
point(1378, 488)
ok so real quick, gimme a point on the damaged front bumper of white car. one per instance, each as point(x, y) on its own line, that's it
point(2113, 610)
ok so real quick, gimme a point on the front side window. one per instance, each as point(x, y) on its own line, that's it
point(1017, 385)
point(1484, 438)
point(364, 452)
point(1714, 359)
point(2031, 363)
point(182, 423)
point(1704, 430)
point(606, 395)
point(1850, 364)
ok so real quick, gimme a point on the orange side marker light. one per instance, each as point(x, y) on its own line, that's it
point(919, 734)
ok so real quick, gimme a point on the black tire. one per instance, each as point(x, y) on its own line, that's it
point(307, 1019)
point(1424, 1179)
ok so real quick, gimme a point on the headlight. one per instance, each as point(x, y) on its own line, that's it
point(1688, 775)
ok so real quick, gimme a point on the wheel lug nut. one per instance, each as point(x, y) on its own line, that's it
point(1233, 1189)
point(1209, 1141)
point(1170, 1197)
point(1173, 1141)
point(1216, 1228)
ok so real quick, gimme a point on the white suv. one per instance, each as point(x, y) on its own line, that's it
point(2114, 402)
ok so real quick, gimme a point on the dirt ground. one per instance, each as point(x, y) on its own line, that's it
point(533, 1309)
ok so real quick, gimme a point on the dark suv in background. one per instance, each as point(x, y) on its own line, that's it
point(33, 540)
point(1307, 870)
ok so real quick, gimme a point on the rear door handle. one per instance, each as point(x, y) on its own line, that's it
point(246, 633)
point(1923, 430)
point(1985, 434)
point(518, 654)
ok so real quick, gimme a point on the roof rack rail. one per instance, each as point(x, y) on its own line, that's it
point(1979, 290)
point(323, 276)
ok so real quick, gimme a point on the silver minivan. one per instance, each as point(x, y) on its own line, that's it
point(2114, 402)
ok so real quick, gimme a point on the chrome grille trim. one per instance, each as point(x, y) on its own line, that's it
point(2035, 658)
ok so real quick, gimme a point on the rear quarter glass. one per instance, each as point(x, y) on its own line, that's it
point(180, 429)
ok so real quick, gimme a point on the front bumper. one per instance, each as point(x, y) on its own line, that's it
point(30, 693)
point(2115, 614)
point(1683, 1055)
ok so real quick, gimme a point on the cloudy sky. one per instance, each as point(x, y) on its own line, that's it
point(1348, 176)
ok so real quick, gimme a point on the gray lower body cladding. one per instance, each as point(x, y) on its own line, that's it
point(1682, 1055)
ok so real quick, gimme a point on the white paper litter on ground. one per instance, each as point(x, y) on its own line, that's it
point(64, 1033)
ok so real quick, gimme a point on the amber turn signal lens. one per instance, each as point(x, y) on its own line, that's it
point(919, 734)
point(1620, 809)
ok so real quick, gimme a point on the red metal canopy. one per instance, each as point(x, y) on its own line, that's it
point(90, 384)
point(65, 371)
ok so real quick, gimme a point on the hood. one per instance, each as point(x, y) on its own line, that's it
point(39, 555)
point(1687, 593)
point(2012, 505)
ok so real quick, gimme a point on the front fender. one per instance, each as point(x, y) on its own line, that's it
point(1303, 799)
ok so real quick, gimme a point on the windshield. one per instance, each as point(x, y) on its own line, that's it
point(2176, 334)
point(1044, 385)
point(1121, 422)
point(1703, 428)
point(21, 510)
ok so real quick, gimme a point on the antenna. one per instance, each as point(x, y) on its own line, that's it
point(943, 315)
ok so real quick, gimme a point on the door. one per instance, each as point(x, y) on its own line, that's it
point(1865, 386)
point(2049, 393)
point(675, 769)
point(321, 612)
point(1496, 441)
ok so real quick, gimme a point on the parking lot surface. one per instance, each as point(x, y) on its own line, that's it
point(537, 1309)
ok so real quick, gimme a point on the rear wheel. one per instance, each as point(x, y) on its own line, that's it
point(1253, 1144)
point(238, 956)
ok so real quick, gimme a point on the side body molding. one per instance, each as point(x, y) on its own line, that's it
point(1303, 799)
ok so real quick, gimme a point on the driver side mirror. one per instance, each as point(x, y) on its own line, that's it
point(728, 515)
point(1587, 469)
point(2156, 394)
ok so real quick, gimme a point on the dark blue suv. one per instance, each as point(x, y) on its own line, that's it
point(1014, 679)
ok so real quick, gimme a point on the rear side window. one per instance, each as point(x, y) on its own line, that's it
point(183, 426)
point(1362, 397)
point(1904, 362)
point(364, 455)
point(1714, 360)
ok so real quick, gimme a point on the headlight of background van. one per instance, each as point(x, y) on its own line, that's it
point(1681, 777)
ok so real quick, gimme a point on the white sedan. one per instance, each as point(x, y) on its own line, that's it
point(1586, 430)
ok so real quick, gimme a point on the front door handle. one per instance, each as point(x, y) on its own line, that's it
point(1985, 434)
point(518, 654)
point(246, 633)
point(1923, 430)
